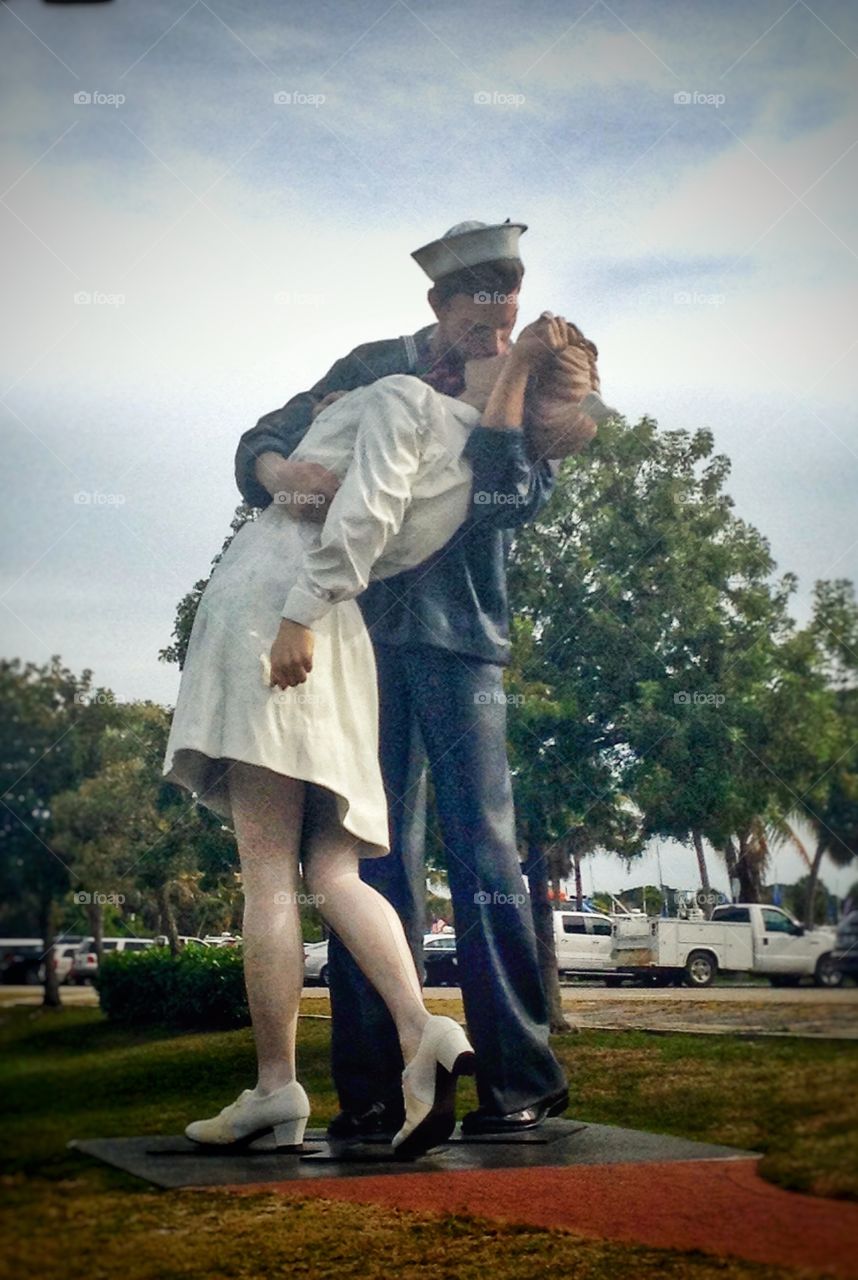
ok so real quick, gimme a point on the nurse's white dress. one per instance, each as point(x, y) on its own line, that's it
point(405, 488)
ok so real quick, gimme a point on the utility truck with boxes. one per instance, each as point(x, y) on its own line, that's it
point(737, 938)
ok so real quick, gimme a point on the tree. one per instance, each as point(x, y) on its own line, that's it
point(89, 832)
point(126, 826)
point(567, 794)
point(831, 804)
point(186, 610)
point(809, 902)
point(653, 620)
point(51, 727)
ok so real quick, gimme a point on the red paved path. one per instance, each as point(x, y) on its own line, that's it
point(717, 1206)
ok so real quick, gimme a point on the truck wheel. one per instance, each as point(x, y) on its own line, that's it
point(700, 969)
point(827, 973)
point(323, 976)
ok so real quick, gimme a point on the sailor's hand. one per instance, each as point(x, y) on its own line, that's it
point(330, 398)
point(541, 340)
point(304, 489)
point(291, 655)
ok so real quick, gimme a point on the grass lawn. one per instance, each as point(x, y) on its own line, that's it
point(72, 1074)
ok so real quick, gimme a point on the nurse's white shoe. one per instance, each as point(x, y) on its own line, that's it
point(429, 1086)
point(284, 1113)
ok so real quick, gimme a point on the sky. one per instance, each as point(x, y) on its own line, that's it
point(205, 203)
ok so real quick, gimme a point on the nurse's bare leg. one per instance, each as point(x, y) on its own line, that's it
point(362, 919)
point(268, 813)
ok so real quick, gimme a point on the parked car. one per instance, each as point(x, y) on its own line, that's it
point(439, 960)
point(85, 961)
point(161, 940)
point(21, 961)
point(582, 941)
point(845, 953)
point(738, 938)
point(62, 958)
point(221, 940)
point(316, 963)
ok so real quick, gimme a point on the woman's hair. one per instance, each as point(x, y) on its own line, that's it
point(488, 281)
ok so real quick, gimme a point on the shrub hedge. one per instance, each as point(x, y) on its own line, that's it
point(201, 989)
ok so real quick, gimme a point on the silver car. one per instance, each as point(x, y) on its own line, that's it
point(85, 961)
point(316, 963)
point(62, 958)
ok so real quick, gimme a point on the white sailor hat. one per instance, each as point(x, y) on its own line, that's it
point(467, 245)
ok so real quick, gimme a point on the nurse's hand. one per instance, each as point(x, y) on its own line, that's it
point(291, 654)
point(540, 340)
point(570, 376)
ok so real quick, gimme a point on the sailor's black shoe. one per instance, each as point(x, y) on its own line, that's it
point(379, 1120)
point(483, 1121)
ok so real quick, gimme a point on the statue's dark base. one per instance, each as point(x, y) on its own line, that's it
point(176, 1162)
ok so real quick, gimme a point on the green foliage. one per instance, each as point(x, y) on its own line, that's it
point(186, 610)
point(124, 830)
point(201, 989)
point(796, 900)
point(662, 686)
point(52, 727)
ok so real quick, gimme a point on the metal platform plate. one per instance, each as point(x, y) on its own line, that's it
point(173, 1161)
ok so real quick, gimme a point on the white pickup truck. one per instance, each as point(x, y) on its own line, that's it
point(738, 938)
point(583, 941)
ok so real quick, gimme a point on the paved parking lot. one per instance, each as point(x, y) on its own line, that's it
point(743, 1009)
point(740, 1010)
point(72, 996)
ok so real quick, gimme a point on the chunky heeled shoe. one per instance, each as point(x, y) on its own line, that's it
point(284, 1113)
point(429, 1087)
